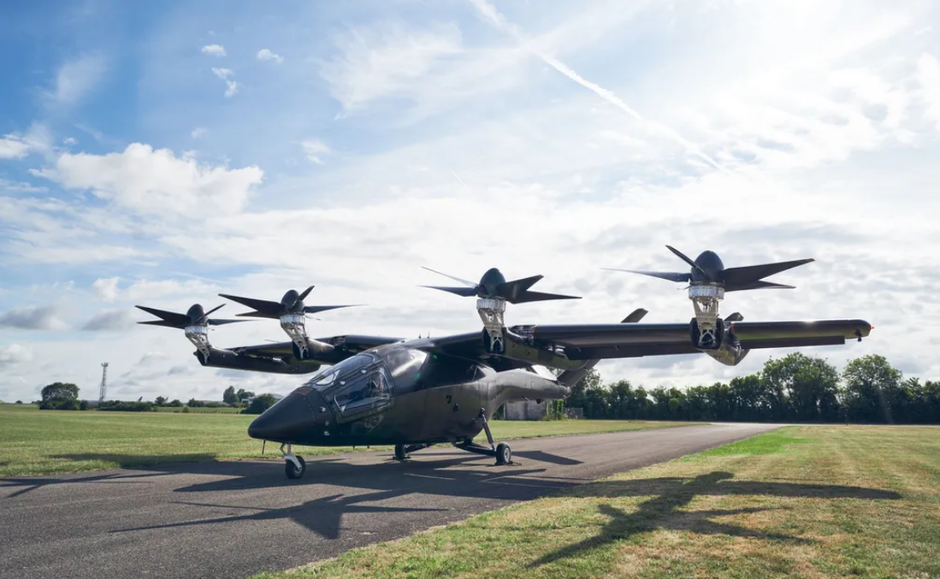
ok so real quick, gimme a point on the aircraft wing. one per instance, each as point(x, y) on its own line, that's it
point(602, 341)
point(564, 345)
point(339, 347)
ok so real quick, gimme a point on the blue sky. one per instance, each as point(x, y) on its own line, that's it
point(162, 153)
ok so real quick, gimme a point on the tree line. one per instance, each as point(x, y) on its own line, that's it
point(796, 388)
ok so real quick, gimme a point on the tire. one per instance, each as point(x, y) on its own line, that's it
point(400, 453)
point(292, 472)
point(503, 453)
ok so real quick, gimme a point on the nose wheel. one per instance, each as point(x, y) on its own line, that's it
point(294, 466)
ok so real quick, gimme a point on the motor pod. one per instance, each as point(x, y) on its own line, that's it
point(729, 352)
point(218, 358)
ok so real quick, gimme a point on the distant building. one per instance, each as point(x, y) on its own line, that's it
point(525, 410)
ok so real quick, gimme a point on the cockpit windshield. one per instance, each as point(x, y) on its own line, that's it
point(328, 376)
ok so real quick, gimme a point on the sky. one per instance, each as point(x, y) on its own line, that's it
point(162, 153)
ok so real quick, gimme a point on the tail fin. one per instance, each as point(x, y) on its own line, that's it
point(572, 377)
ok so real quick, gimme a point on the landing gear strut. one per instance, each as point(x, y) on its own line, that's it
point(501, 451)
point(294, 466)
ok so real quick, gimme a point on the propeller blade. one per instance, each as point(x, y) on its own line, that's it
point(174, 319)
point(214, 309)
point(734, 276)
point(735, 317)
point(511, 290)
point(635, 316)
point(223, 322)
point(271, 309)
point(667, 275)
point(258, 315)
point(303, 295)
point(460, 291)
point(163, 323)
point(315, 309)
point(472, 284)
point(689, 261)
point(757, 285)
point(528, 296)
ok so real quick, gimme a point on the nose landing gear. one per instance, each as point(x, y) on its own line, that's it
point(294, 466)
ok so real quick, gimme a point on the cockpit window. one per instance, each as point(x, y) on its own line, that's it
point(344, 370)
point(364, 390)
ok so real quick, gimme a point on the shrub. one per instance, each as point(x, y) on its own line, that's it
point(59, 405)
point(175, 404)
point(186, 409)
point(19, 401)
point(83, 405)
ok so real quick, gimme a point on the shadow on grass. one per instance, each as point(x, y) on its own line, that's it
point(662, 511)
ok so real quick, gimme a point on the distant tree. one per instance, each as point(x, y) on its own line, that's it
point(260, 404)
point(19, 401)
point(244, 395)
point(229, 396)
point(807, 386)
point(193, 403)
point(160, 401)
point(83, 405)
point(59, 396)
point(175, 403)
point(60, 391)
point(871, 386)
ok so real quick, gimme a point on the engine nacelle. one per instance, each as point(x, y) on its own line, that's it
point(227, 359)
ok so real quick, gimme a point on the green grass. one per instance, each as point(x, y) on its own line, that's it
point(35, 442)
point(813, 501)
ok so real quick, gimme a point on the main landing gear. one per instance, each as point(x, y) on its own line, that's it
point(402, 450)
point(501, 451)
point(294, 466)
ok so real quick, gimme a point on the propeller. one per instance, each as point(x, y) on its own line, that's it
point(291, 303)
point(708, 268)
point(493, 284)
point(194, 316)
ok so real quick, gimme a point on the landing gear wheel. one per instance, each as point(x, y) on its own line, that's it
point(400, 453)
point(291, 470)
point(503, 454)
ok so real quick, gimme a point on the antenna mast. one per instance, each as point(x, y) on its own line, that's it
point(103, 391)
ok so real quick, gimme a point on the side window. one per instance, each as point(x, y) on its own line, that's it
point(368, 390)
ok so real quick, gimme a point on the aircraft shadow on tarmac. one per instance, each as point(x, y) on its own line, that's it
point(462, 476)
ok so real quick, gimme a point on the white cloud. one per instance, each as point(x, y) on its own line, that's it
point(106, 288)
point(198, 132)
point(109, 320)
point(32, 318)
point(928, 71)
point(315, 150)
point(231, 86)
point(68, 141)
point(266, 54)
point(384, 60)
point(13, 146)
point(76, 78)
point(213, 50)
point(147, 180)
point(15, 354)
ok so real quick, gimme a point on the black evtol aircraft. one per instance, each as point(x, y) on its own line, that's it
point(415, 393)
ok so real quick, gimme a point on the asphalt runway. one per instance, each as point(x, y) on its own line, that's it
point(234, 519)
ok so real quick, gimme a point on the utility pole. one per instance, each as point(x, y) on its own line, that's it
point(103, 391)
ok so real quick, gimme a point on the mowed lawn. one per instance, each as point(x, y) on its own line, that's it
point(34, 442)
point(814, 501)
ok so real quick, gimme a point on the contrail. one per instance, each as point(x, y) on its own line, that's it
point(499, 21)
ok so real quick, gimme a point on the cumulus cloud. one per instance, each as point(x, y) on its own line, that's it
point(225, 74)
point(315, 150)
point(76, 78)
point(213, 50)
point(13, 146)
point(266, 54)
point(106, 288)
point(15, 354)
point(198, 132)
point(109, 320)
point(32, 318)
point(147, 180)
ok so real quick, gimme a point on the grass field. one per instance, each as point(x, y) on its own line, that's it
point(36, 441)
point(815, 501)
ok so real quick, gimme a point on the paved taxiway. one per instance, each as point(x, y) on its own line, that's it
point(233, 519)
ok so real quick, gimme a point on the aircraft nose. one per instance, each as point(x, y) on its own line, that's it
point(286, 421)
